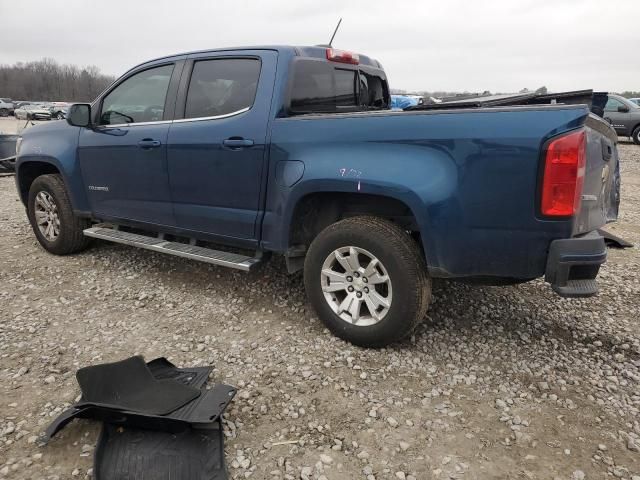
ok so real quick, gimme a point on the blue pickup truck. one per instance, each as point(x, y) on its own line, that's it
point(227, 156)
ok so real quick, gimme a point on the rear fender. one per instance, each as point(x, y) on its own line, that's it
point(426, 176)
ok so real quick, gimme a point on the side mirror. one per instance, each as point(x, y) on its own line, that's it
point(79, 115)
point(623, 109)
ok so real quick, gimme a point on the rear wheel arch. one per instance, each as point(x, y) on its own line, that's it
point(316, 211)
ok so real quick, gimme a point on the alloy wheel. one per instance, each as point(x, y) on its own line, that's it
point(356, 286)
point(47, 218)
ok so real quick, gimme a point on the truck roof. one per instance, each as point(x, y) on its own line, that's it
point(315, 51)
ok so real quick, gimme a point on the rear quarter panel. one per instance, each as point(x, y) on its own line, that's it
point(469, 177)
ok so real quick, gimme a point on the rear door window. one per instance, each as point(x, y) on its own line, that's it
point(222, 86)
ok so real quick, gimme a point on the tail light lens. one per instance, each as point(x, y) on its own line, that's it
point(564, 169)
point(342, 56)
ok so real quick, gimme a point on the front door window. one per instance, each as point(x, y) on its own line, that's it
point(140, 98)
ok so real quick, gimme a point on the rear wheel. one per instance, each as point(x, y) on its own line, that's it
point(51, 216)
point(635, 136)
point(367, 281)
point(4, 112)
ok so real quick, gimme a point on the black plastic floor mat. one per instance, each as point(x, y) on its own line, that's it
point(203, 410)
point(163, 369)
point(130, 385)
point(133, 454)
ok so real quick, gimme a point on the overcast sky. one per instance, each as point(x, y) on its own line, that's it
point(497, 45)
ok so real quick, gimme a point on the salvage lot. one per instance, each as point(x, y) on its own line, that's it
point(508, 382)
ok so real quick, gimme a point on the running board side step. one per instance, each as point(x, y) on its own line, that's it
point(193, 252)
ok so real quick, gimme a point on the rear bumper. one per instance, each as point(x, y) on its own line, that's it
point(573, 264)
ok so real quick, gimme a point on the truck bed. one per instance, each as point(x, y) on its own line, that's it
point(469, 175)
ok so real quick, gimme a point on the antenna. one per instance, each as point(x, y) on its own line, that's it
point(335, 31)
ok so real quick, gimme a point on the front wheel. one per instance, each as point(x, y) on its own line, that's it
point(4, 112)
point(367, 281)
point(635, 136)
point(51, 216)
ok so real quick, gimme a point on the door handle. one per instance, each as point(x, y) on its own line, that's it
point(237, 142)
point(147, 143)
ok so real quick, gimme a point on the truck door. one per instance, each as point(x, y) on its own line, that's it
point(615, 117)
point(124, 157)
point(216, 144)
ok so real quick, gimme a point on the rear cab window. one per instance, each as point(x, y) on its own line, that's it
point(319, 86)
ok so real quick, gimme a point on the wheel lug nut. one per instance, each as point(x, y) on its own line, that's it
point(356, 274)
point(359, 294)
point(350, 288)
point(365, 279)
point(349, 279)
point(366, 289)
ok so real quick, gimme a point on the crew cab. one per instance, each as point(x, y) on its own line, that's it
point(228, 156)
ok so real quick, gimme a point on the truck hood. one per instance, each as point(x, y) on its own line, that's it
point(45, 128)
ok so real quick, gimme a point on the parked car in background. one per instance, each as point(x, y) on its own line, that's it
point(32, 112)
point(7, 152)
point(624, 117)
point(635, 100)
point(6, 107)
point(58, 110)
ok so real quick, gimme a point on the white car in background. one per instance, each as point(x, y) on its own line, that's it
point(6, 107)
point(32, 112)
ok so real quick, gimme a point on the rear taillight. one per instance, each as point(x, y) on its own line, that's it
point(564, 168)
point(342, 56)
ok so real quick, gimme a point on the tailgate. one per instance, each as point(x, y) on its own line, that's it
point(601, 190)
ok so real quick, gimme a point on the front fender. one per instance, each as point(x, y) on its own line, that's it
point(54, 143)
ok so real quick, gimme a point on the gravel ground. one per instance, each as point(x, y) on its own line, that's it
point(509, 382)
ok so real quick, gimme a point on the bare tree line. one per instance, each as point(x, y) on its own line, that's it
point(48, 80)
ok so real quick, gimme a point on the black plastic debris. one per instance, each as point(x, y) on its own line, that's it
point(177, 436)
point(614, 241)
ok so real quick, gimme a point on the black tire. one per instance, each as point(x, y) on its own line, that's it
point(70, 238)
point(4, 112)
point(405, 266)
point(635, 136)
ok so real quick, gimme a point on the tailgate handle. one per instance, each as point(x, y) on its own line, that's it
point(607, 150)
